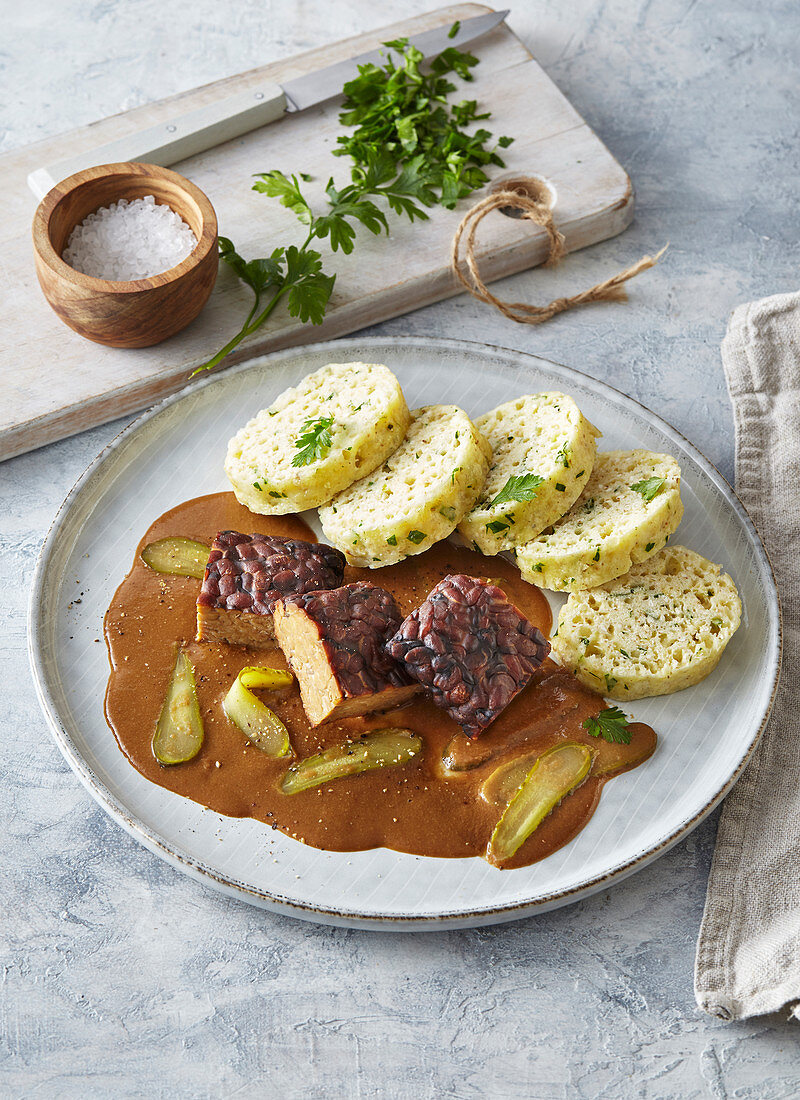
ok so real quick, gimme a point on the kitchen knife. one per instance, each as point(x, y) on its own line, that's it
point(186, 135)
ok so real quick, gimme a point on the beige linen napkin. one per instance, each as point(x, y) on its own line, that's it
point(748, 954)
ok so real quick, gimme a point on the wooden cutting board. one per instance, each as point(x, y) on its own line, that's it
point(55, 383)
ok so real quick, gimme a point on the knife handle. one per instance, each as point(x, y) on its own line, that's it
point(180, 137)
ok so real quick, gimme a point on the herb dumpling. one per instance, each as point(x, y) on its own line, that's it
point(543, 453)
point(417, 497)
point(315, 439)
point(630, 506)
point(660, 628)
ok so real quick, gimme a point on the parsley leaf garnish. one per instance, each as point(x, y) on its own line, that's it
point(610, 724)
point(649, 488)
point(518, 487)
point(314, 442)
point(410, 149)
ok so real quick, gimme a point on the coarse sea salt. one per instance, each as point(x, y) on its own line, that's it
point(130, 239)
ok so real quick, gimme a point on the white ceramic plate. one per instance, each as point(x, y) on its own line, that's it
point(176, 452)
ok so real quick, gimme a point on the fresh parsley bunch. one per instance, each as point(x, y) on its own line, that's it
point(409, 151)
point(405, 112)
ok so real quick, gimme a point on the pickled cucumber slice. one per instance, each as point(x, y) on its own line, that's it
point(462, 754)
point(610, 758)
point(177, 555)
point(380, 749)
point(607, 760)
point(504, 782)
point(554, 775)
point(257, 722)
point(179, 731)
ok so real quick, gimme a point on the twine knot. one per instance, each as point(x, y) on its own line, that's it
point(539, 212)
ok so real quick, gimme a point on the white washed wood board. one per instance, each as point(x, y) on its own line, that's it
point(56, 383)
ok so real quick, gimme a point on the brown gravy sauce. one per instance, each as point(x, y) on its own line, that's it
point(410, 808)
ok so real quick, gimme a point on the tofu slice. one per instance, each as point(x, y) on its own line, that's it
point(334, 643)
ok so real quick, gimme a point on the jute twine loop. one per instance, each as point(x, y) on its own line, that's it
point(539, 212)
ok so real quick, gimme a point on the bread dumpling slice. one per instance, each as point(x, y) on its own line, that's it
point(629, 507)
point(660, 628)
point(315, 439)
point(543, 450)
point(417, 497)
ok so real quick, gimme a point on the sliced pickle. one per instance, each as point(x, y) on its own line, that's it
point(256, 721)
point(381, 749)
point(177, 555)
point(611, 758)
point(179, 732)
point(554, 775)
point(607, 759)
point(504, 782)
point(462, 754)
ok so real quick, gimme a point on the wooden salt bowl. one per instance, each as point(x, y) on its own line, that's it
point(125, 314)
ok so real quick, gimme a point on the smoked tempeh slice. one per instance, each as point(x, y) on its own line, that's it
point(470, 648)
point(334, 642)
point(246, 574)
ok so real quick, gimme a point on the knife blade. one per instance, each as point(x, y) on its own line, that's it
point(192, 133)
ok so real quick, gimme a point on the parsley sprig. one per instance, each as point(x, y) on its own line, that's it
point(314, 441)
point(292, 273)
point(610, 724)
point(409, 151)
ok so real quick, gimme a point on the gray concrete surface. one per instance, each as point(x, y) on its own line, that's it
point(121, 977)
